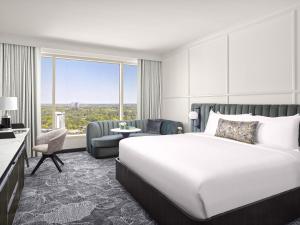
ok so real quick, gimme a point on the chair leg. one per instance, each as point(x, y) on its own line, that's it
point(58, 159)
point(56, 163)
point(38, 165)
point(26, 158)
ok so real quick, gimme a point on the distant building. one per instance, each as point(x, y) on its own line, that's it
point(60, 120)
point(75, 105)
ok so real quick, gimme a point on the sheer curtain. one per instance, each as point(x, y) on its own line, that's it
point(19, 78)
point(1, 69)
point(149, 100)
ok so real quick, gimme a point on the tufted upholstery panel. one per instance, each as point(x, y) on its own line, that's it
point(102, 128)
point(263, 110)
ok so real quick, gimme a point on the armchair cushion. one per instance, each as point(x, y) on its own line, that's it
point(107, 141)
point(54, 141)
point(57, 140)
point(41, 148)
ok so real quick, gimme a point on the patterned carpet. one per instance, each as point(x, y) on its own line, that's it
point(85, 193)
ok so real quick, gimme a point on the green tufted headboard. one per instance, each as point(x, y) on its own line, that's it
point(263, 110)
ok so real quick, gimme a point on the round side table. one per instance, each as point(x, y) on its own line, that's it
point(126, 132)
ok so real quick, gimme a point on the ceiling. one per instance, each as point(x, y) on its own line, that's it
point(155, 26)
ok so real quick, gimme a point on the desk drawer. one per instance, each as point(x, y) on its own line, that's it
point(13, 179)
point(10, 190)
point(3, 204)
point(13, 203)
point(15, 186)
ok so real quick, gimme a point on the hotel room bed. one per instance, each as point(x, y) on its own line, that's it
point(198, 179)
point(205, 175)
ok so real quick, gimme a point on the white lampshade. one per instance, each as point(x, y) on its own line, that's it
point(8, 103)
point(193, 115)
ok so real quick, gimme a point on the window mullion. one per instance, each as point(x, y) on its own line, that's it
point(121, 90)
point(53, 90)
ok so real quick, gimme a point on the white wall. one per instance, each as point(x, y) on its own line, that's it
point(258, 62)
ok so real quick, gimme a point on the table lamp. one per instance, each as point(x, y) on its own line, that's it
point(6, 104)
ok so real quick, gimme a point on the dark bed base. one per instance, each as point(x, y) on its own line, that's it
point(276, 210)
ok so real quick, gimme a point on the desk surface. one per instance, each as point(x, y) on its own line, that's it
point(9, 148)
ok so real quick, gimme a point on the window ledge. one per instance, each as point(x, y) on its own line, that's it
point(75, 135)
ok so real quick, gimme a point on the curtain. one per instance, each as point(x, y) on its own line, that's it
point(149, 100)
point(19, 79)
point(1, 69)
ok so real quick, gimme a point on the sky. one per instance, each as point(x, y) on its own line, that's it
point(87, 82)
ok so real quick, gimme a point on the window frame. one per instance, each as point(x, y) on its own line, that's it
point(121, 64)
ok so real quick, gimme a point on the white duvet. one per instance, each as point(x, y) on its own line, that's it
point(206, 175)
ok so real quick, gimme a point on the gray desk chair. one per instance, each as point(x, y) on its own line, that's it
point(49, 144)
point(21, 126)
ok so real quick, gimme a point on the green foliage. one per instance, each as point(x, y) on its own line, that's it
point(77, 119)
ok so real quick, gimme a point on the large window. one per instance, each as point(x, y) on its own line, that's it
point(76, 92)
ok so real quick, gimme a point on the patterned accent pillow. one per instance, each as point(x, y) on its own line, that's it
point(237, 130)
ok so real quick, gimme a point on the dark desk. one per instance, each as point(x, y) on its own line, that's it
point(12, 153)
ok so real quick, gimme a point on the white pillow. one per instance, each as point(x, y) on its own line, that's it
point(213, 120)
point(279, 132)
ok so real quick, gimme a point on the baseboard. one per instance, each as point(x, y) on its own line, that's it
point(72, 150)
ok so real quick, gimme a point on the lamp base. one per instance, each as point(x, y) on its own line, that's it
point(5, 122)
